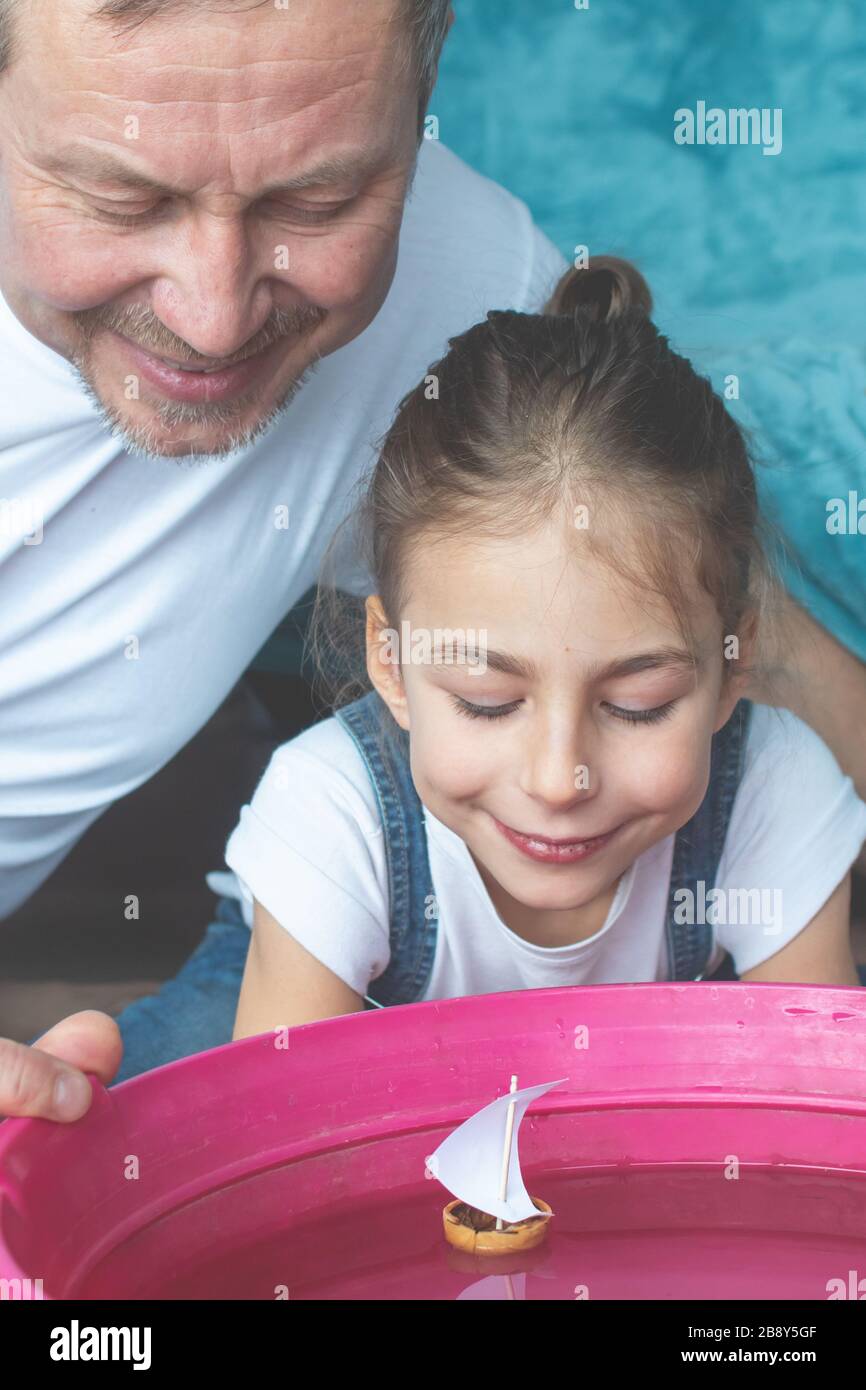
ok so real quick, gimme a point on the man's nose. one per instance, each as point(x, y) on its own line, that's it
point(211, 292)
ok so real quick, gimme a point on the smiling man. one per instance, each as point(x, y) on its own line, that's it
point(225, 254)
point(197, 207)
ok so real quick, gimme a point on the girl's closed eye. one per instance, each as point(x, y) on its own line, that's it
point(628, 716)
point(473, 711)
point(641, 716)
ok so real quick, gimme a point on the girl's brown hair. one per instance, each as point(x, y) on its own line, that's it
point(584, 405)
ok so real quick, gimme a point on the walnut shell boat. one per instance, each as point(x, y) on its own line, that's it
point(483, 1237)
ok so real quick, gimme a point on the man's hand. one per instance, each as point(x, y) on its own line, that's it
point(47, 1080)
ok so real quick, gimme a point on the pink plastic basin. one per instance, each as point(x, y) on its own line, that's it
point(710, 1143)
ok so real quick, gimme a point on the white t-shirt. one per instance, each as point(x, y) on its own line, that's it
point(310, 847)
point(185, 556)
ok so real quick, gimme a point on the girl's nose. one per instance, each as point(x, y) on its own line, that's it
point(557, 769)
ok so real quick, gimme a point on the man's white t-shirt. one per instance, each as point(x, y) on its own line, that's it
point(135, 593)
point(310, 848)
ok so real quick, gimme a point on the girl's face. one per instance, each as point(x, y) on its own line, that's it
point(580, 737)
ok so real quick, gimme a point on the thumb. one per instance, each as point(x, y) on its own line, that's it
point(47, 1079)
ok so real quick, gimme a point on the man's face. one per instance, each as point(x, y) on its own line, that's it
point(164, 200)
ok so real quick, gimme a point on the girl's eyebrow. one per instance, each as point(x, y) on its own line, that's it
point(662, 658)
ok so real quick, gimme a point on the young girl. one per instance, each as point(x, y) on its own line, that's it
point(554, 779)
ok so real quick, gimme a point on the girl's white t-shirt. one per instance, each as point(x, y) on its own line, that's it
point(310, 848)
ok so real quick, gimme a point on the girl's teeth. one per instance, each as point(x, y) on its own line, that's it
point(544, 844)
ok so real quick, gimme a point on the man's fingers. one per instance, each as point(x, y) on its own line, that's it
point(89, 1040)
point(34, 1084)
point(47, 1080)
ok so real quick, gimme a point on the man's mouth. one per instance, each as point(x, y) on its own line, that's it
point(196, 382)
point(545, 850)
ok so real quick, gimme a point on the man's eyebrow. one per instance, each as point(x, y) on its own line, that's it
point(91, 163)
point(661, 658)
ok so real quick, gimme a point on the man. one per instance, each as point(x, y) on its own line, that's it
point(209, 312)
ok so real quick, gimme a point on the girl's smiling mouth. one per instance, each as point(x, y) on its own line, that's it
point(547, 851)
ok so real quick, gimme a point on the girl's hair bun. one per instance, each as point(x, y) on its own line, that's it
point(607, 287)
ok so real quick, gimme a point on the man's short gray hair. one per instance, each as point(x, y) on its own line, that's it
point(426, 23)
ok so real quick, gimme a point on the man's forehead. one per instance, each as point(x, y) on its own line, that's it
point(135, 23)
point(325, 108)
point(245, 61)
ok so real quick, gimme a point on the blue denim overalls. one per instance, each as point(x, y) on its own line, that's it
point(384, 746)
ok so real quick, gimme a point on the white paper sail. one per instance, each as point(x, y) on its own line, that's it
point(469, 1161)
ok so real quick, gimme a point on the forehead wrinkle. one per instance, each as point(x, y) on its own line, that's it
point(300, 82)
point(222, 100)
point(250, 73)
point(170, 117)
point(233, 47)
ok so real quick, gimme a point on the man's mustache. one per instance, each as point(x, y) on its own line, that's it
point(141, 326)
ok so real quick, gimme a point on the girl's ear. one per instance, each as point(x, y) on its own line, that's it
point(738, 654)
point(383, 661)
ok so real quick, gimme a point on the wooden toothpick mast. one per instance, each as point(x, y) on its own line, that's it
point(506, 1151)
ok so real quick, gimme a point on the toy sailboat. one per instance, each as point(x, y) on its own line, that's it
point(493, 1213)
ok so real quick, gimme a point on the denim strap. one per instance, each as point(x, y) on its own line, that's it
point(698, 847)
point(384, 746)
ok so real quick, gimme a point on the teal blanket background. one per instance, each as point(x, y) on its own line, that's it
point(756, 262)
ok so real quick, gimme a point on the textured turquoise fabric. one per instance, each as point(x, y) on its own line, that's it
point(573, 111)
point(805, 406)
point(757, 262)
